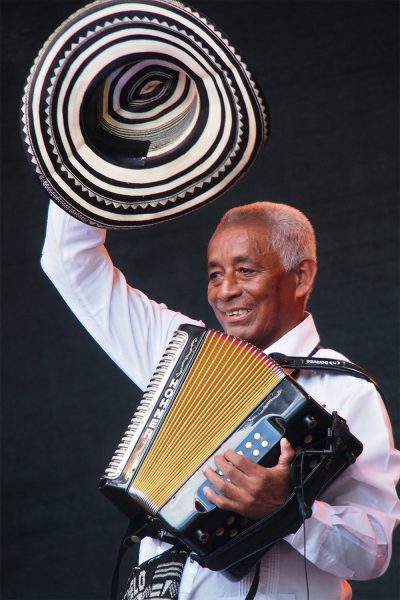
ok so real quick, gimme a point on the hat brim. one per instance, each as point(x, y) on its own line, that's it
point(135, 112)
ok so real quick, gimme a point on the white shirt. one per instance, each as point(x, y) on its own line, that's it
point(349, 533)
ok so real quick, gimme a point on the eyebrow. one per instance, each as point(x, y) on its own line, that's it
point(213, 263)
point(237, 259)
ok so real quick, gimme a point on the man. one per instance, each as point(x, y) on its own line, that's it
point(262, 265)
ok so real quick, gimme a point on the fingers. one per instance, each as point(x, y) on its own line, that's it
point(247, 488)
point(238, 469)
point(226, 495)
point(226, 474)
point(233, 464)
point(230, 482)
point(239, 461)
point(235, 467)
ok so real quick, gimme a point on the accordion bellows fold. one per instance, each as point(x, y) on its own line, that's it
point(228, 379)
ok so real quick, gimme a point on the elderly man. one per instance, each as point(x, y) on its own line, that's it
point(261, 269)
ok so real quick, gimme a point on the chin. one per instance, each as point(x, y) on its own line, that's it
point(252, 338)
point(242, 334)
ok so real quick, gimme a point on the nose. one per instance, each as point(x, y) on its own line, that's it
point(229, 288)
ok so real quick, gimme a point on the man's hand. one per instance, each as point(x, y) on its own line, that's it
point(252, 491)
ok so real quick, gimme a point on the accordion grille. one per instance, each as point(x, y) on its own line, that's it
point(226, 381)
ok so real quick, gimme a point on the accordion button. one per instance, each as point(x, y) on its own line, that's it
point(233, 532)
point(230, 519)
point(202, 536)
point(310, 421)
point(257, 436)
point(220, 531)
point(135, 539)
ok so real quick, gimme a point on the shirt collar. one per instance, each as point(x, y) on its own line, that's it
point(299, 341)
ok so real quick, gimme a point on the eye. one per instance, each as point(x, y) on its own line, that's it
point(246, 271)
point(213, 275)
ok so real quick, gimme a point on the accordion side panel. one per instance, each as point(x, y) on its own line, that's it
point(125, 457)
point(227, 380)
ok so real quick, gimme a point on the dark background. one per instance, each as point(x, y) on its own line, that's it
point(329, 71)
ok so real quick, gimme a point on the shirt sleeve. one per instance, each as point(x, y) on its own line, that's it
point(349, 533)
point(132, 329)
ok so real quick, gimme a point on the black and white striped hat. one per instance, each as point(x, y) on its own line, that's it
point(136, 112)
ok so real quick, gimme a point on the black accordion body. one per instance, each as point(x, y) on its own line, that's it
point(210, 392)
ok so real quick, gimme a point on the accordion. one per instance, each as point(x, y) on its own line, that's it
point(210, 392)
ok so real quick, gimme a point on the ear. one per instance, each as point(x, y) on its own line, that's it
point(305, 275)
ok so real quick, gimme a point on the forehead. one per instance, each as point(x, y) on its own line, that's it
point(244, 240)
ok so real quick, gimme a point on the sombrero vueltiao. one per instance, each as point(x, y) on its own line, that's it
point(136, 112)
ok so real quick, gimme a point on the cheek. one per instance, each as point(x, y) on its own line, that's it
point(212, 297)
point(267, 312)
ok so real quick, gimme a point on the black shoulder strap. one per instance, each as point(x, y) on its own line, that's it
point(325, 364)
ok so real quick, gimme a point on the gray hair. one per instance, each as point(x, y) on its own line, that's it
point(290, 233)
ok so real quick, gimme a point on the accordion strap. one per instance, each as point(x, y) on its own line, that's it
point(126, 542)
point(335, 365)
point(167, 566)
point(158, 577)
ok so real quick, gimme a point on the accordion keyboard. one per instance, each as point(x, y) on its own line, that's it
point(149, 398)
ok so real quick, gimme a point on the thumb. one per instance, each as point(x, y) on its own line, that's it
point(287, 454)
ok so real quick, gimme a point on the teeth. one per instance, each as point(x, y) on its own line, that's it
point(237, 313)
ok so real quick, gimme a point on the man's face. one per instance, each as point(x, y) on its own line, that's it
point(251, 295)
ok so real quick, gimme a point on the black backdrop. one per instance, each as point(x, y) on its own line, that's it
point(329, 71)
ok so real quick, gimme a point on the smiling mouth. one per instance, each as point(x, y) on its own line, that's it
point(239, 312)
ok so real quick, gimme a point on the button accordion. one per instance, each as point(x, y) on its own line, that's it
point(210, 392)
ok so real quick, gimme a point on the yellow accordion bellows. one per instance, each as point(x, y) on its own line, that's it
point(226, 381)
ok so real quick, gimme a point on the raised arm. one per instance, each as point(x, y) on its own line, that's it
point(130, 327)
